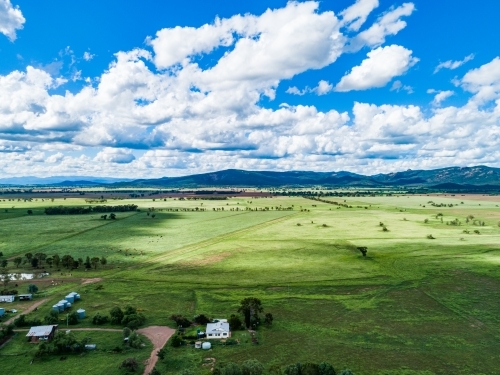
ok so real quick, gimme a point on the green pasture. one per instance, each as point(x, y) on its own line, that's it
point(413, 305)
point(16, 356)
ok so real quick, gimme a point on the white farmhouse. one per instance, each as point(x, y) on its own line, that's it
point(219, 329)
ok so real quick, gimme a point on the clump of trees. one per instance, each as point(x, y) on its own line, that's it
point(62, 343)
point(23, 321)
point(181, 321)
point(363, 250)
point(6, 332)
point(251, 307)
point(129, 317)
point(68, 210)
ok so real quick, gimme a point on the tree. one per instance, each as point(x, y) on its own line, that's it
point(29, 256)
point(116, 315)
point(67, 261)
point(234, 322)
point(155, 372)
point(30, 212)
point(324, 368)
point(201, 319)
point(34, 262)
point(252, 367)
point(104, 261)
point(363, 250)
point(293, 369)
point(4, 263)
point(49, 261)
point(32, 288)
point(309, 369)
point(41, 257)
point(5, 279)
point(52, 318)
point(250, 307)
point(112, 216)
point(17, 261)
point(56, 260)
point(176, 341)
point(126, 331)
point(95, 262)
point(87, 263)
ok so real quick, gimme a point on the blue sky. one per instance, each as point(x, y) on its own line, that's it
point(154, 88)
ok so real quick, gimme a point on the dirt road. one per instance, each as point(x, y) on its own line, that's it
point(158, 335)
point(28, 310)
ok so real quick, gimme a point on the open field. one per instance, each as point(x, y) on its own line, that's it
point(413, 306)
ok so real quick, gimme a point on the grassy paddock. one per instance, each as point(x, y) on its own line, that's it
point(412, 306)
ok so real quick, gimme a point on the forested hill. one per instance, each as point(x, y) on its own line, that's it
point(453, 177)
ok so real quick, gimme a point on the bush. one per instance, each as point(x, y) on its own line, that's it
point(52, 318)
point(324, 368)
point(99, 319)
point(268, 320)
point(346, 372)
point(73, 318)
point(252, 367)
point(116, 315)
point(293, 369)
point(135, 341)
point(431, 237)
point(176, 341)
point(133, 321)
point(130, 364)
point(309, 369)
point(22, 321)
point(231, 368)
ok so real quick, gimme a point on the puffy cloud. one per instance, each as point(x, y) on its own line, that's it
point(382, 64)
point(11, 19)
point(355, 16)
point(389, 23)
point(185, 115)
point(115, 155)
point(324, 87)
point(440, 96)
point(450, 64)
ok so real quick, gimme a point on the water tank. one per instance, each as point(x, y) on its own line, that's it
point(55, 307)
point(68, 305)
point(81, 313)
point(70, 298)
point(2, 311)
point(77, 296)
point(206, 345)
point(61, 306)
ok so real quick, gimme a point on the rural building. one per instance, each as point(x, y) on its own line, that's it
point(41, 333)
point(219, 329)
point(2, 311)
point(7, 298)
point(25, 297)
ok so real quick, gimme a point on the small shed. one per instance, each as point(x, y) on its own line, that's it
point(25, 297)
point(7, 298)
point(39, 333)
point(2, 311)
point(81, 313)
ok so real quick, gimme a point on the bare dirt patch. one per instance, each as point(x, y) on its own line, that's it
point(158, 335)
point(91, 281)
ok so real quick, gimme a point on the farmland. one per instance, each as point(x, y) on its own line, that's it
point(413, 305)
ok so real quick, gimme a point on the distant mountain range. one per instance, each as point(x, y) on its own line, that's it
point(60, 180)
point(453, 178)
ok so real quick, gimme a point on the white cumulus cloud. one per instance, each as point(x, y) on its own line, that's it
point(382, 64)
point(355, 16)
point(11, 19)
point(115, 155)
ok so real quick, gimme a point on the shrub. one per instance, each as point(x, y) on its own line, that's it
point(116, 315)
point(99, 319)
point(176, 341)
point(52, 318)
point(130, 364)
point(324, 368)
point(346, 372)
point(73, 318)
point(181, 321)
point(293, 369)
point(231, 368)
point(135, 341)
point(133, 321)
point(431, 237)
point(252, 367)
point(22, 321)
point(309, 369)
point(268, 320)
point(384, 229)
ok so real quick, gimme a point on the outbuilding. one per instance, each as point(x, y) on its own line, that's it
point(39, 333)
point(7, 298)
point(25, 297)
point(219, 329)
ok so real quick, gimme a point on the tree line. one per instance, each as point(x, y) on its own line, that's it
point(68, 210)
point(67, 261)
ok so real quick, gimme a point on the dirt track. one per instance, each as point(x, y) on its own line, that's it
point(28, 310)
point(158, 335)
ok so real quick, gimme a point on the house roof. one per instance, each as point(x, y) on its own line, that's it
point(217, 327)
point(40, 331)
